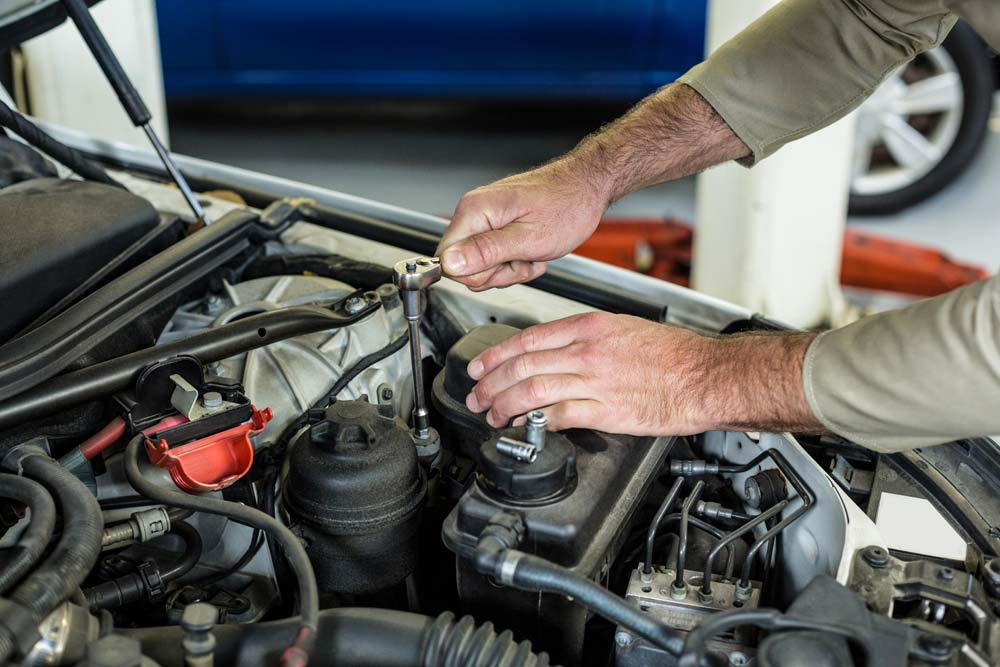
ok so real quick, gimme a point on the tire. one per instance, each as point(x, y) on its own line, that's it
point(873, 189)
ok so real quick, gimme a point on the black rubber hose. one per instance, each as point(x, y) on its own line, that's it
point(133, 586)
point(61, 573)
point(537, 574)
point(682, 542)
point(76, 161)
point(42, 521)
point(350, 637)
point(297, 653)
point(665, 506)
point(191, 555)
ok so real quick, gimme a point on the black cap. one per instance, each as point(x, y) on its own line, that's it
point(551, 476)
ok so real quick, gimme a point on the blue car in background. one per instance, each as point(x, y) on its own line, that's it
point(555, 49)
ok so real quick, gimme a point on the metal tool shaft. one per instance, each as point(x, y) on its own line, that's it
point(412, 277)
point(421, 418)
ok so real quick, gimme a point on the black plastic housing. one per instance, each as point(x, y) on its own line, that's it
point(583, 531)
point(56, 233)
point(353, 490)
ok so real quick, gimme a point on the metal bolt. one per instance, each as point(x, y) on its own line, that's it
point(213, 304)
point(623, 639)
point(875, 556)
point(411, 266)
point(519, 451)
point(211, 399)
point(386, 393)
point(354, 305)
point(535, 429)
point(946, 574)
point(678, 592)
point(737, 659)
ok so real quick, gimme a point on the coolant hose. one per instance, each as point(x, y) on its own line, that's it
point(42, 521)
point(350, 637)
point(297, 653)
point(134, 586)
point(71, 560)
point(532, 573)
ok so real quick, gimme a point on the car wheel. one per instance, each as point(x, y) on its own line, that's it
point(921, 128)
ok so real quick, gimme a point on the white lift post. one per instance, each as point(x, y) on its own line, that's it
point(769, 238)
point(66, 86)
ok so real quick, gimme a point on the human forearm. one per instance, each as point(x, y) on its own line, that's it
point(753, 382)
point(670, 134)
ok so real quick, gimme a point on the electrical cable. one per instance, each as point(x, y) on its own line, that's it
point(297, 654)
point(359, 366)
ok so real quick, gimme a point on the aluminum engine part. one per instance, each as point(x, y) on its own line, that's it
point(654, 597)
point(291, 375)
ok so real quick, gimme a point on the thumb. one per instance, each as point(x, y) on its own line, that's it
point(488, 250)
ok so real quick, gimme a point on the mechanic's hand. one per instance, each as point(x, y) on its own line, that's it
point(614, 373)
point(505, 232)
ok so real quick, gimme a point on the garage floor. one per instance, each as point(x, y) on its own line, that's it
point(425, 156)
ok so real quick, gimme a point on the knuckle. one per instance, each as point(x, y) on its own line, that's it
point(483, 392)
point(536, 389)
point(522, 367)
point(487, 248)
point(529, 339)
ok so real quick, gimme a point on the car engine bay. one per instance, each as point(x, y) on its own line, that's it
point(216, 451)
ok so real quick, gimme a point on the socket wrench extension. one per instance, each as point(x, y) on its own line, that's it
point(412, 277)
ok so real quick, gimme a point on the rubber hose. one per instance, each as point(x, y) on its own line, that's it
point(133, 586)
point(299, 649)
point(42, 521)
point(537, 574)
point(59, 152)
point(351, 637)
point(191, 555)
point(74, 556)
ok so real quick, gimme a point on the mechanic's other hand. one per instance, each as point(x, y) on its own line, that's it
point(614, 373)
point(505, 232)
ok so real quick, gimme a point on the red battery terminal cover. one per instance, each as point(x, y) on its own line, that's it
point(211, 463)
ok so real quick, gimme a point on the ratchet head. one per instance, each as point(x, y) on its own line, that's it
point(417, 273)
point(412, 277)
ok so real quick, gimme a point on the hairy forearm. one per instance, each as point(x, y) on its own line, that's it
point(753, 382)
point(670, 134)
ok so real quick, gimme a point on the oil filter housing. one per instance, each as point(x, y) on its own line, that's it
point(353, 491)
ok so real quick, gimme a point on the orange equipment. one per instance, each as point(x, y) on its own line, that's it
point(662, 248)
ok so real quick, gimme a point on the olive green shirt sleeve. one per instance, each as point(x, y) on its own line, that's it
point(921, 375)
point(914, 377)
point(806, 63)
